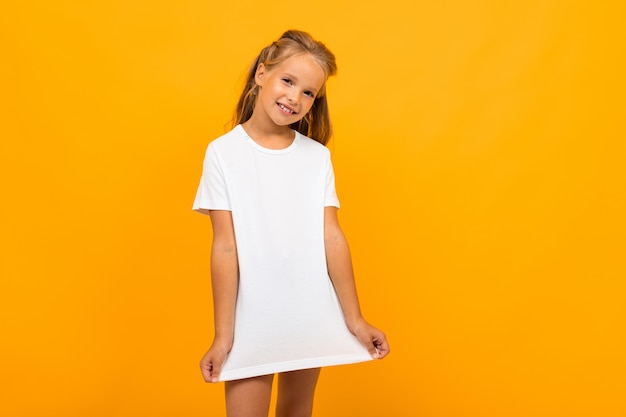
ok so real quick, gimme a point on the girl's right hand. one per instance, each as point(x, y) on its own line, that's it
point(212, 361)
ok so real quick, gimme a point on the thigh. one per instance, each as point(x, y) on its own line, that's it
point(295, 393)
point(249, 397)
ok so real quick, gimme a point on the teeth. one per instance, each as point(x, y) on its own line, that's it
point(285, 108)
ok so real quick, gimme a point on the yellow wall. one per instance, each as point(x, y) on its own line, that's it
point(479, 152)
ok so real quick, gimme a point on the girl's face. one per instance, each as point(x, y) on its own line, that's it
point(287, 91)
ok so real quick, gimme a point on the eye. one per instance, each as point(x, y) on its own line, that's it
point(310, 94)
point(287, 81)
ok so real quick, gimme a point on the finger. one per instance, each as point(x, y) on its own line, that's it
point(382, 346)
point(205, 369)
point(215, 373)
point(374, 353)
point(368, 342)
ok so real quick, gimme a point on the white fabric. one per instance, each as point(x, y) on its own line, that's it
point(287, 314)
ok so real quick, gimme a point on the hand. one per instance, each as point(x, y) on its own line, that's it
point(212, 361)
point(372, 338)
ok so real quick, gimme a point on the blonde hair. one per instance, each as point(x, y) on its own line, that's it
point(316, 123)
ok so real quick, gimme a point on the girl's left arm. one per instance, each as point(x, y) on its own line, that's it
point(341, 273)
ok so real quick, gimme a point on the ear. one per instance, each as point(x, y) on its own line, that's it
point(260, 74)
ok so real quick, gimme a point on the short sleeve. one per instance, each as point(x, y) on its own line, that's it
point(330, 196)
point(212, 193)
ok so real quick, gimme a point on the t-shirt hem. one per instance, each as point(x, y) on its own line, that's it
point(210, 206)
point(272, 368)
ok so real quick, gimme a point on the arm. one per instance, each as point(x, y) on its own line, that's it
point(224, 281)
point(340, 270)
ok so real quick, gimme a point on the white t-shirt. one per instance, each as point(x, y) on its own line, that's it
point(287, 314)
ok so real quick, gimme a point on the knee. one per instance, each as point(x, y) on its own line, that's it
point(294, 409)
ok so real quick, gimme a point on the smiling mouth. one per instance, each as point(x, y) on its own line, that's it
point(286, 109)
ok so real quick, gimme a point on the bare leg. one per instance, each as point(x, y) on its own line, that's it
point(295, 393)
point(249, 397)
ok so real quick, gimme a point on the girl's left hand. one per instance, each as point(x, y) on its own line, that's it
point(372, 338)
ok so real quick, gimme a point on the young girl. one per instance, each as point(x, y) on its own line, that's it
point(284, 294)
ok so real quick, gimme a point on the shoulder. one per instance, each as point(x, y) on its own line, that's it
point(227, 143)
point(313, 147)
point(226, 140)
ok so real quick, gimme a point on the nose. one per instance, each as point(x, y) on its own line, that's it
point(293, 98)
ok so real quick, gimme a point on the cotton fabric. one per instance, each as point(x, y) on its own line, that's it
point(287, 314)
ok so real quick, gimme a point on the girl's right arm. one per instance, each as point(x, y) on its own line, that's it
point(224, 281)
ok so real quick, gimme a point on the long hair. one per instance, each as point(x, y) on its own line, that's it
point(316, 123)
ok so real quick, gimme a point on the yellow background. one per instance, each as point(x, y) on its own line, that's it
point(479, 150)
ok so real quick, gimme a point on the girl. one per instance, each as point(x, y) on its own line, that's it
point(284, 294)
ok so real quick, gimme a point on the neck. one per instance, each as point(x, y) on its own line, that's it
point(269, 135)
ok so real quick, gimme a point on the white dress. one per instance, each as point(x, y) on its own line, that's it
point(287, 313)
